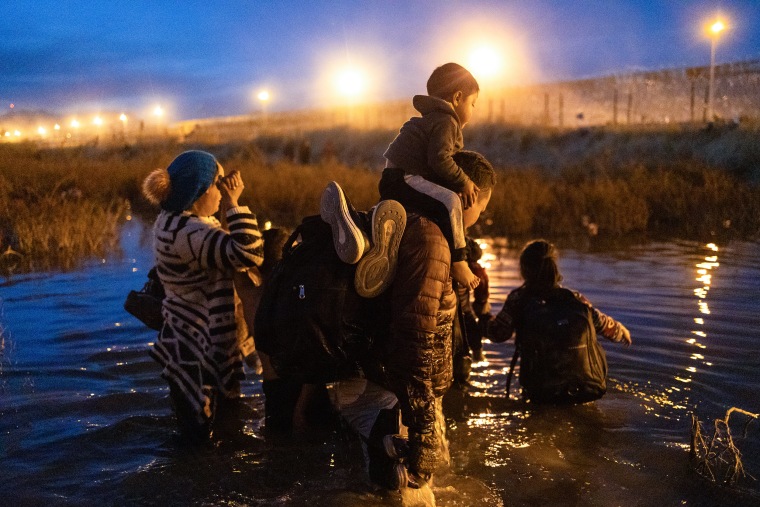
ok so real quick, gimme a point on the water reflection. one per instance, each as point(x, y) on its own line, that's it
point(705, 269)
point(84, 414)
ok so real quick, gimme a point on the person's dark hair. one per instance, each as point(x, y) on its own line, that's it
point(450, 78)
point(477, 168)
point(538, 265)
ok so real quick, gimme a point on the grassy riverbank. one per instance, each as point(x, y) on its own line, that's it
point(60, 205)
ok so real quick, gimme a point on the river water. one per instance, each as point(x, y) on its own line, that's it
point(85, 419)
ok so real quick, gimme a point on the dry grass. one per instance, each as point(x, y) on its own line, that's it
point(55, 230)
point(717, 458)
point(57, 205)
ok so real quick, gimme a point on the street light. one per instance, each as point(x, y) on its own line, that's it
point(350, 82)
point(263, 97)
point(715, 29)
point(485, 63)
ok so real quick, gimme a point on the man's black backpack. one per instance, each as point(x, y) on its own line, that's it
point(561, 360)
point(311, 322)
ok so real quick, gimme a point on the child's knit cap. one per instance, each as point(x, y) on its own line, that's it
point(190, 174)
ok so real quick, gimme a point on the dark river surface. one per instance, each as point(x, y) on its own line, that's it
point(85, 418)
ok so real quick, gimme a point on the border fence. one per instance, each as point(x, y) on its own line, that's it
point(658, 97)
point(636, 98)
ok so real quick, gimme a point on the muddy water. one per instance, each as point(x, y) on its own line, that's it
point(84, 416)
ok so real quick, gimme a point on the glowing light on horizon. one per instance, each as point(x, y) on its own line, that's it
point(350, 82)
point(123, 117)
point(41, 131)
point(75, 124)
point(263, 95)
point(158, 111)
point(56, 127)
point(97, 121)
point(496, 52)
point(485, 63)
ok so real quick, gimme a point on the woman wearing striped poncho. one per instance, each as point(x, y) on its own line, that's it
point(196, 259)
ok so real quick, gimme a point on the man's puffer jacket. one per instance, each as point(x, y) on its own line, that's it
point(418, 354)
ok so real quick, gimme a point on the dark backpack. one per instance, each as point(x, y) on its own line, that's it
point(311, 322)
point(561, 360)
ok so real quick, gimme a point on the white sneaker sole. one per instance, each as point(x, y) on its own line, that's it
point(347, 237)
point(376, 270)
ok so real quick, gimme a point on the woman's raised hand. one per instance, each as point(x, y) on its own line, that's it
point(231, 186)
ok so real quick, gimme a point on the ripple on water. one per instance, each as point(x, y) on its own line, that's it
point(85, 418)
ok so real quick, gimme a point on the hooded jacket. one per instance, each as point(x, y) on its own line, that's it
point(425, 145)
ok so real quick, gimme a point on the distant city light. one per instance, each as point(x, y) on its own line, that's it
point(123, 117)
point(7, 134)
point(717, 27)
point(158, 111)
point(263, 95)
point(41, 131)
point(75, 124)
point(16, 133)
point(56, 127)
point(97, 121)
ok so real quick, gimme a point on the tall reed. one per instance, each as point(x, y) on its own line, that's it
point(55, 230)
point(57, 205)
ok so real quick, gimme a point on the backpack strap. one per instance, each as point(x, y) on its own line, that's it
point(288, 246)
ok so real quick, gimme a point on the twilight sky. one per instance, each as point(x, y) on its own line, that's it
point(202, 59)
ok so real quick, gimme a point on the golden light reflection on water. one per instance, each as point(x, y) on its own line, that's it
point(655, 399)
point(705, 269)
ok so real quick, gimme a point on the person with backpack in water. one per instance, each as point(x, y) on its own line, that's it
point(393, 393)
point(555, 331)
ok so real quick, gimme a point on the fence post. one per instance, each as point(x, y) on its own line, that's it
point(691, 103)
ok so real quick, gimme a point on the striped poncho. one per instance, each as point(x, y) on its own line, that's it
point(195, 260)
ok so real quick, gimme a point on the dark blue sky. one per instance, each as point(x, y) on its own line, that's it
point(201, 59)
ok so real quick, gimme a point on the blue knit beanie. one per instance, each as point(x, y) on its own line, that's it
point(191, 174)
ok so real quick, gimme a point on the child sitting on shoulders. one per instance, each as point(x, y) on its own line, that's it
point(420, 172)
point(421, 175)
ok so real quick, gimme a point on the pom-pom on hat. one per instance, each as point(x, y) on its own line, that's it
point(190, 175)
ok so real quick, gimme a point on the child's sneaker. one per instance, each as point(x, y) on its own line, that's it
point(337, 211)
point(377, 268)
